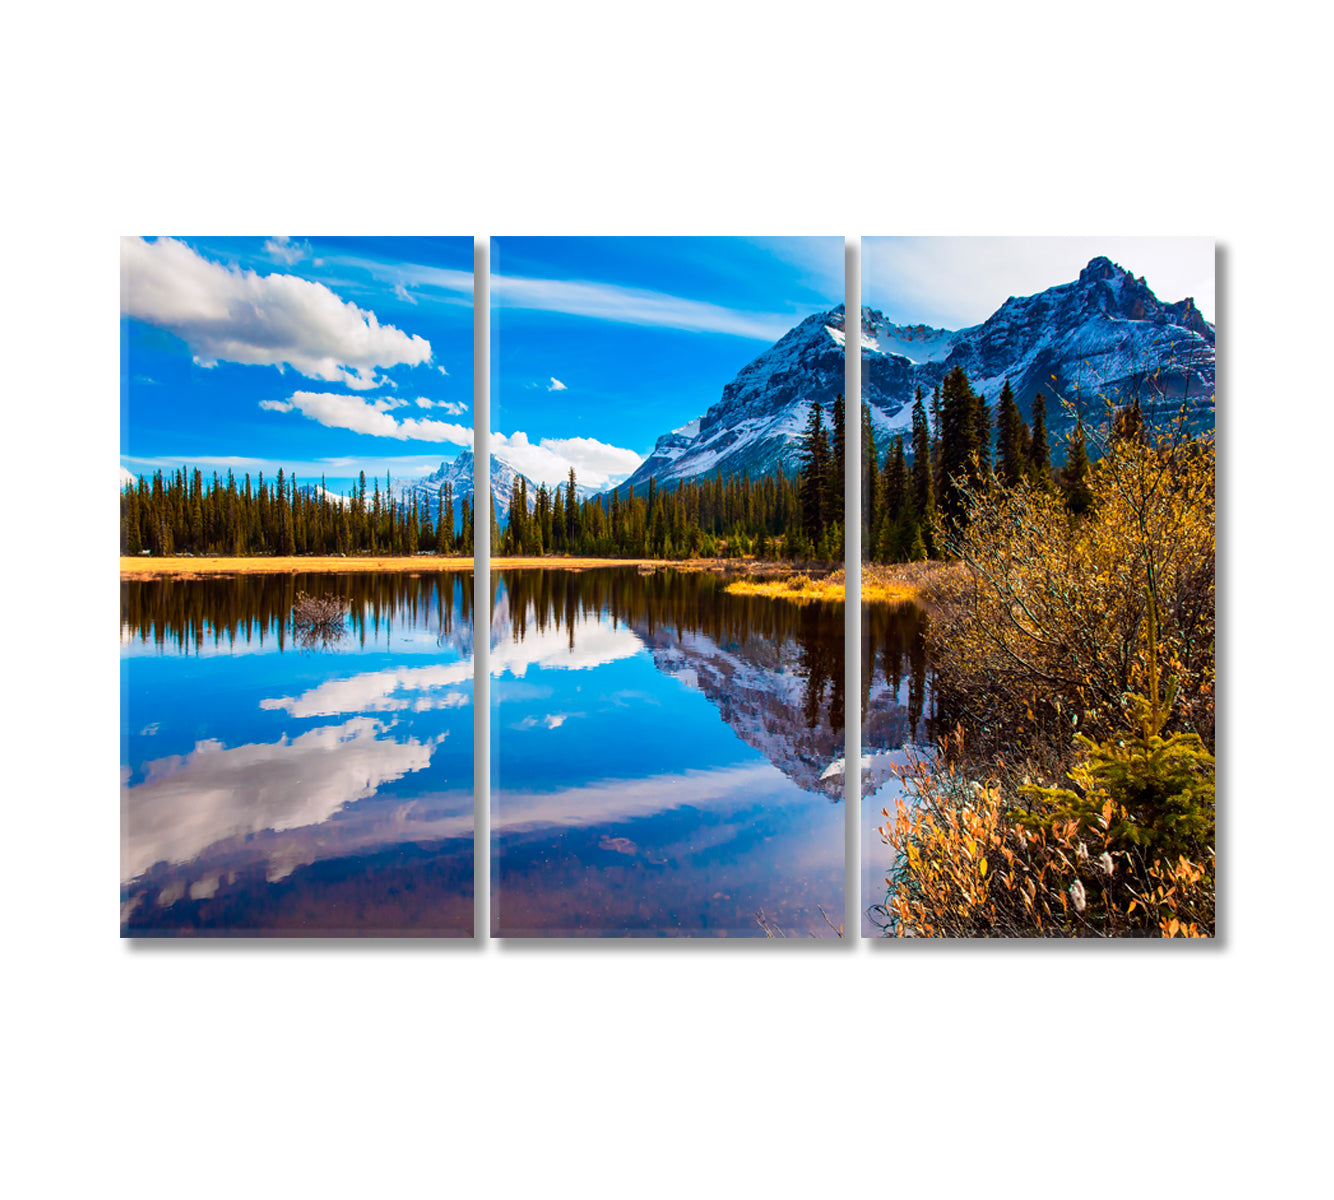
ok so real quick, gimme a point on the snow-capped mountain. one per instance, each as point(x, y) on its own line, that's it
point(459, 473)
point(758, 425)
point(1105, 333)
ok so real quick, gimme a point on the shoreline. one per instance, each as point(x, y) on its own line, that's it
point(184, 567)
point(908, 583)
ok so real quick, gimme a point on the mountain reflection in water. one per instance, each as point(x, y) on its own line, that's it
point(662, 754)
point(272, 784)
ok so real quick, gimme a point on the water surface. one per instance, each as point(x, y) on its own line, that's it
point(666, 758)
point(901, 723)
point(278, 784)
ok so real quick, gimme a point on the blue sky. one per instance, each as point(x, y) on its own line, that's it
point(329, 356)
point(320, 355)
point(600, 345)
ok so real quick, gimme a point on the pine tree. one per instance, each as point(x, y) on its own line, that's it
point(1039, 453)
point(896, 486)
point(814, 475)
point(981, 471)
point(1009, 429)
point(923, 491)
point(957, 445)
point(870, 477)
point(571, 513)
point(1075, 477)
point(837, 464)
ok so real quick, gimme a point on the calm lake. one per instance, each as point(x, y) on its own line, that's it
point(661, 758)
point(901, 724)
point(277, 785)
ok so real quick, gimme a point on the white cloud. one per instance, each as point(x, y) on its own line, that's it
point(605, 800)
point(597, 644)
point(595, 463)
point(960, 281)
point(555, 385)
point(227, 314)
point(285, 250)
point(441, 370)
point(455, 408)
point(189, 802)
point(380, 691)
point(403, 294)
point(339, 411)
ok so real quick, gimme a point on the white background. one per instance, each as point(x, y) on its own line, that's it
point(274, 1069)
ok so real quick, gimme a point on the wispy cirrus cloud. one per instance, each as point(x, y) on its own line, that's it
point(361, 415)
point(634, 306)
point(225, 314)
point(601, 301)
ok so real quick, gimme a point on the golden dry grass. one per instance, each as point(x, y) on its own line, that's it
point(192, 568)
point(799, 588)
point(901, 583)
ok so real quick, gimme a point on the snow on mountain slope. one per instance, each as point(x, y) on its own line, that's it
point(1105, 333)
point(458, 472)
point(758, 424)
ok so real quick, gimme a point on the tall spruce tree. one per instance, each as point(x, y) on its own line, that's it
point(814, 475)
point(1075, 478)
point(838, 458)
point(981, 473)
point(870, 478)
point(923, 491)
point(1010, 438)
point(1039, 452)
point(957, 445)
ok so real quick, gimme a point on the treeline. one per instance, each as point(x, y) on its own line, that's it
point(919, 488)
point(728, 516)
point(184, 513)
point(238, 609)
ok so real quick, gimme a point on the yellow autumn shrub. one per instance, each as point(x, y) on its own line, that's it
point(990, 859)
point(1057, 617)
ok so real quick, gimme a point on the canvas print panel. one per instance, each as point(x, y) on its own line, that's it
point(667, 650)
point(1038, 584)
point(296, 587)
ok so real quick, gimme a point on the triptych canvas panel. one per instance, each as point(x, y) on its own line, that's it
point(671, 501)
